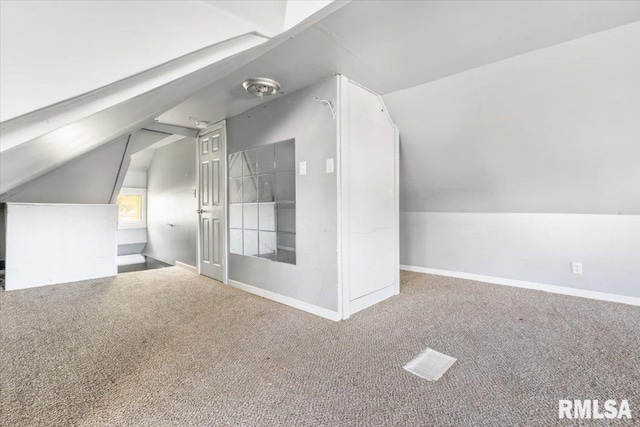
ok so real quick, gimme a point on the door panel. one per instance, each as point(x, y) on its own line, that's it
point(216, 184)
point(205, 180)
point(212, 230)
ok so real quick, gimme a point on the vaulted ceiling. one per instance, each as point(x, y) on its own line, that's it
point(393, 45)
point(40, 141)
point(384, 45)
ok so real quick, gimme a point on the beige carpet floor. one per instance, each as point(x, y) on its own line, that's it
point(170, 348)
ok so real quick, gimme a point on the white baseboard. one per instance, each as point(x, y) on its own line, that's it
point(292, 302)
point(366, 301)
point(131, 259)
point(563, 290)
point(191, 268)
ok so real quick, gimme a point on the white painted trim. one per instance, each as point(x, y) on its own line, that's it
point(396, 225)
point(220, 126)
point(57, 204)
point(367, 301)
point(342, 196)
point(554, 289)
point(291, 302)
point(187, 267)
point(131, 259)
point(225, 173)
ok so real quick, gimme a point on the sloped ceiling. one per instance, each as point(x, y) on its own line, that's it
point(27, 151)
point(392, 45)
point(46, 46)
point(93, 178)
point(552, 131)
point(266, 15)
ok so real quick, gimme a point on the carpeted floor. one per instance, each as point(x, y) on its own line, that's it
point(169, 348)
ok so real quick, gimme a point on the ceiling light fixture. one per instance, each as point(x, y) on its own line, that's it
point(200, 124)
point(261, 86)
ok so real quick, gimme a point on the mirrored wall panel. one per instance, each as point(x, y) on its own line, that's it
point(262, 202)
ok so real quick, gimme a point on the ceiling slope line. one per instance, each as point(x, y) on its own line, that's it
point(29, 116)
point(39, 122)
point(115, 183)
point(38, 156)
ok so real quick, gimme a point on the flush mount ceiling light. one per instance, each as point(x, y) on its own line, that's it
point(261, 86)
point(200, 124)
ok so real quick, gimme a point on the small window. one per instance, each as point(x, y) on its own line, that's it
point(132, 208)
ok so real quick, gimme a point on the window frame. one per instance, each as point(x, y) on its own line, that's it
point(130, 191)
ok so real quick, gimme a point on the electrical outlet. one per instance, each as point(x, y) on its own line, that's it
point(576, 267)
point(303, 168)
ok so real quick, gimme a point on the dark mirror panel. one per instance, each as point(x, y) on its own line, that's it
point(286, 186)
point(235, 190)
point(235, 165)
point(235, 241)
point(235, 215)
point(250, 216)
point(267, 215)
point(262, 202)
point(250, 162)
point(285, 155)
point(250, 189)
point(266, 158)
point(250, 242)
point(266, 187)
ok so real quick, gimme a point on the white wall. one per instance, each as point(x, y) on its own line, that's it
point(503, 167)
point(131, 241)
point(369, 238)
point(53, 243)
point(135, 179)
point(171, 180)
point(314, 277)
point(529, 247)
point(552, 131)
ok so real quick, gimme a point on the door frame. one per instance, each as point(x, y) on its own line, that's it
point(225, 250)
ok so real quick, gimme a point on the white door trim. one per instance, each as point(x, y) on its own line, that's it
point(225, 250)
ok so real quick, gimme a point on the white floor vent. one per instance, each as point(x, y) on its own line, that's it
point(430, 365)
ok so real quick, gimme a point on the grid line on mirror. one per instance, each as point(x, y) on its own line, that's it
point(262, 202)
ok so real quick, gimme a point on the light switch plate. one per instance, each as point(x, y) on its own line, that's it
point(330, 165)
point(303, 168)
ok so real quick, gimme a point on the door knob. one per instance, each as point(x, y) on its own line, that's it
point(199, 211)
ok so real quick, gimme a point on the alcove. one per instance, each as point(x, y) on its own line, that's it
point(313, 199)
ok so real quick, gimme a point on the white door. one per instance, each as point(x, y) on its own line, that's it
point(212, 238)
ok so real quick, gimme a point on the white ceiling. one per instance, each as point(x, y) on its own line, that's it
point(266, 15)
point(393, 45)
point(55, 51)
